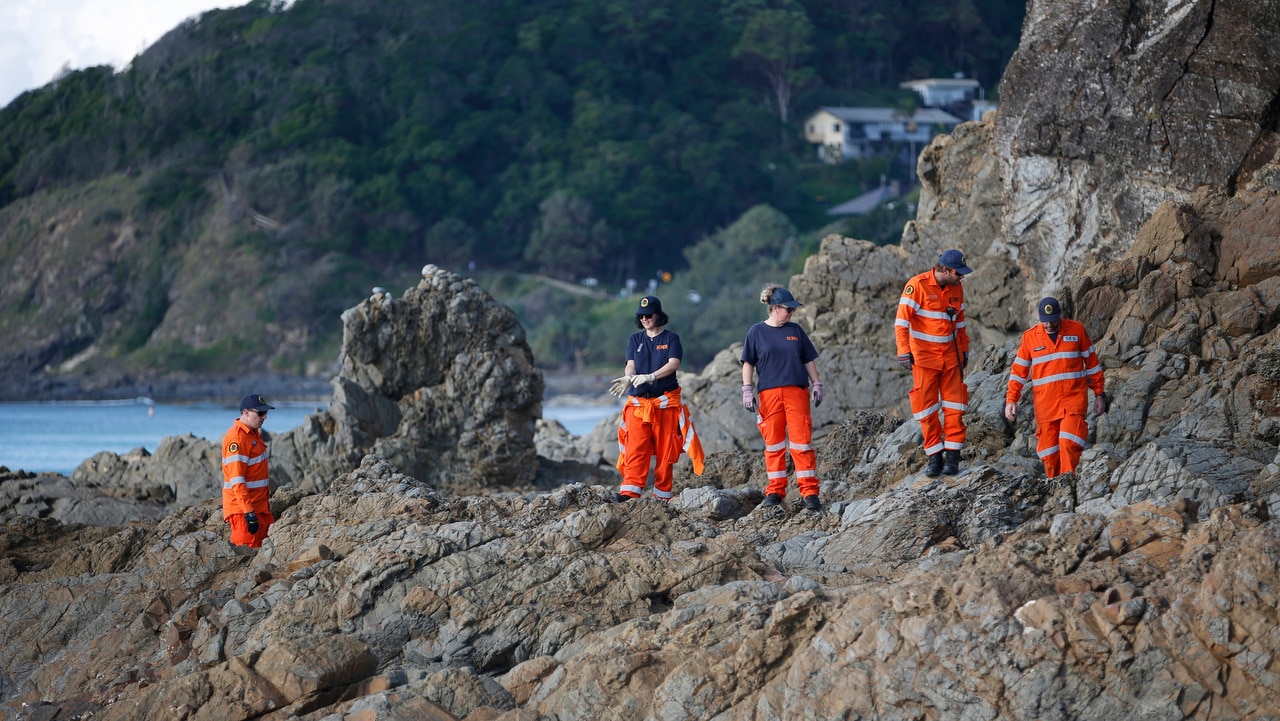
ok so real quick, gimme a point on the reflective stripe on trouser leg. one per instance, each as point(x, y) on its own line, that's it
point(1047, 447)
point(658, 437)
point(925, 406)
point(955, 401)
point(940, 392)
point(1072, 435)
point(786, 423)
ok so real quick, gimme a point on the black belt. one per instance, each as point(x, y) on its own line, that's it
point(652, 394)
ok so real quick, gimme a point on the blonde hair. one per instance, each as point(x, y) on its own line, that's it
point(767, 292)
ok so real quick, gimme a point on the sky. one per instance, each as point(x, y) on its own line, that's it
point(39, 37)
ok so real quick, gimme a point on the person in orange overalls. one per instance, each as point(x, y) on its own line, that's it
point(1057, 359)
point(655, 423)
point(245, 482)
point(934, 346)
point(781, 354)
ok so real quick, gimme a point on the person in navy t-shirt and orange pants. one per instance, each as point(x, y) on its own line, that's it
point(779, 352)
point(651, 419)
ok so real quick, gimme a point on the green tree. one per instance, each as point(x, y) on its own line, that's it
point(775, 43)
point(569, 239)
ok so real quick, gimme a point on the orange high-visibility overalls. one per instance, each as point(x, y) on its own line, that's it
point(936, 341)
point(1061, 373)
point(245, 486)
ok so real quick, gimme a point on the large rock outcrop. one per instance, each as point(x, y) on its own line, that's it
point(439, 381)
point(1109, 109)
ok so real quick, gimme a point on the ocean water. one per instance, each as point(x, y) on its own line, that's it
point(55, 437)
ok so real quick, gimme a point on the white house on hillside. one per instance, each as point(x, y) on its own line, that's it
point(844, 133)
point(944, 92)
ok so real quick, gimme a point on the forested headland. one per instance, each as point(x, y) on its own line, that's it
point(298, 153)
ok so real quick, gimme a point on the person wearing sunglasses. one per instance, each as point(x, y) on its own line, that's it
point(933, 346)
point(655, 423)
point(245, 483)
point(778, 351)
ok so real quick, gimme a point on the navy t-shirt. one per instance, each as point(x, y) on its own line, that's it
point(779, 355)
point(650, 354)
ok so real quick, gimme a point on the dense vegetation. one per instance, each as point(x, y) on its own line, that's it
point(609, 138)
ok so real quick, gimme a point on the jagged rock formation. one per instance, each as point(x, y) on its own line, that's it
point(439, 381)
point(1107, 110)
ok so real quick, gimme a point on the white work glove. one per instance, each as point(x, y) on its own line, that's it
point(618, 386)
point(748, 397)
point(815, 393)
point(641, 379)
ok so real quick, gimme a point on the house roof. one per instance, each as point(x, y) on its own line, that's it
point(926, 116)
point(864, 203)
point(939, 83)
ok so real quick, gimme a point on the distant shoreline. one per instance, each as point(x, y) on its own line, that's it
point(183, 388)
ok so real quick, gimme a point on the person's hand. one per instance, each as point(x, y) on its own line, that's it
point(815, 393)
point(618, 386)
point(1099, 404)
point(251, 522)
point(965, 360)
point(906, 361)
point(748, 397)
point(1010, 410)
point(641, 379)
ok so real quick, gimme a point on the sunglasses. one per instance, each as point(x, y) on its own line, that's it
point(786, 309)
point(645, 315)
point(261, 414)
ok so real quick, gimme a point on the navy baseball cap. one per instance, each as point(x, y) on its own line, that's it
point(254, 402)
point(782, 296)
point(954, 260)
point(649, 304)
point(1049, 309)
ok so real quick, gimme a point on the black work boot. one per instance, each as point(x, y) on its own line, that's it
point(934, 469)
point(951, 464)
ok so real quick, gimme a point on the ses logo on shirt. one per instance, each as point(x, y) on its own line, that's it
point(662, 347)
point(793, 338)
